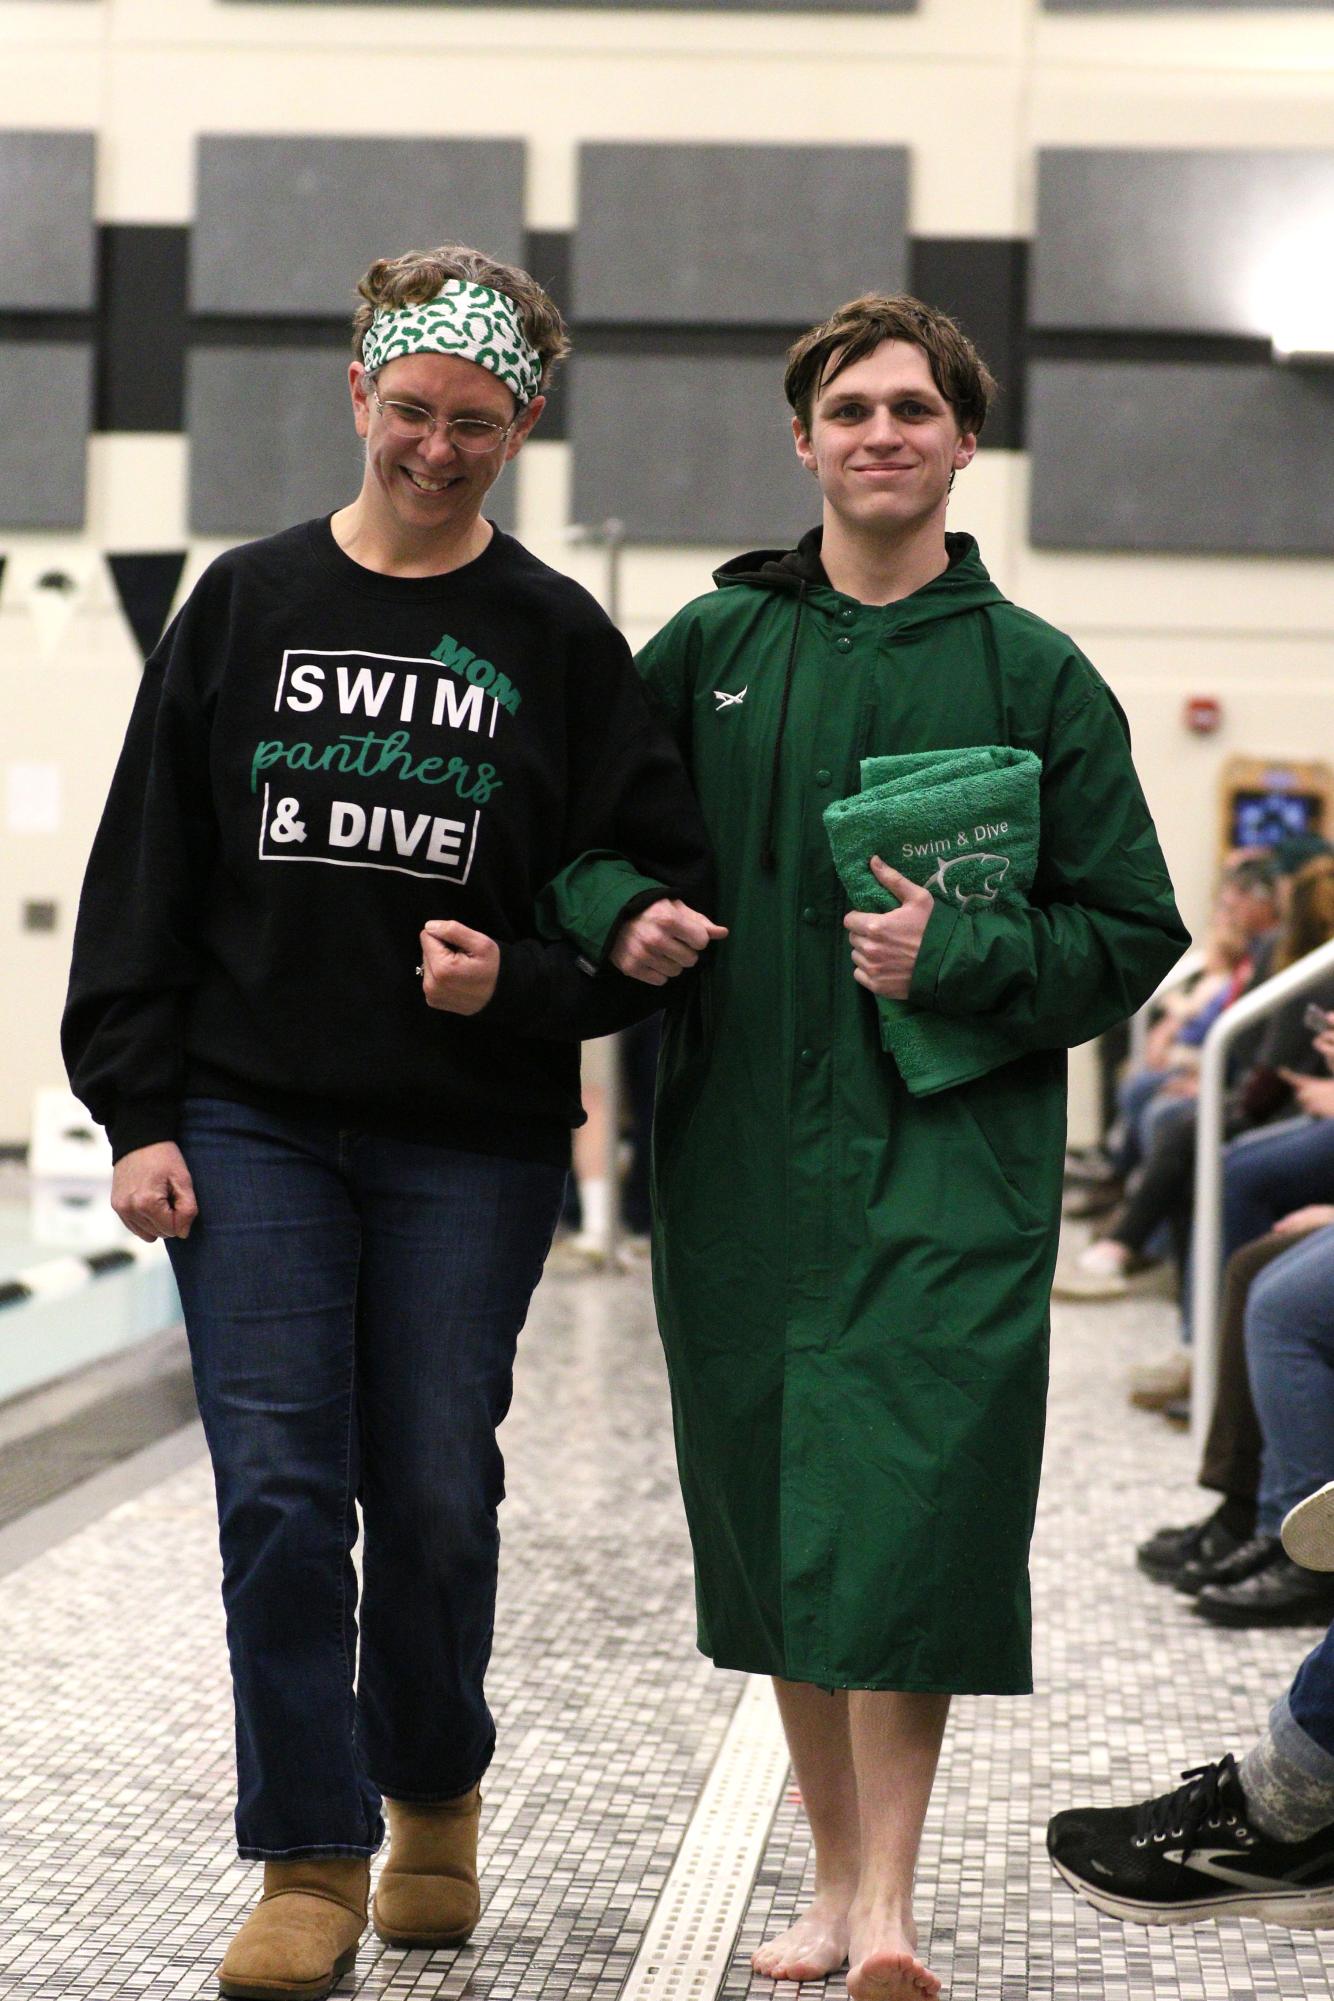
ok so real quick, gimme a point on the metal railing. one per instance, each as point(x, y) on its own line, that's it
point(1293, 980)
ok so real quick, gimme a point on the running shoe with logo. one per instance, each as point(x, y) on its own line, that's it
point(1192, 1855)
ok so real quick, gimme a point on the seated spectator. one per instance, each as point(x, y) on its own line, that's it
point(1264, 1067)
point(1171, 1053)
point(1277, 1188)
point(1289, 1341)
point(1254, 1839)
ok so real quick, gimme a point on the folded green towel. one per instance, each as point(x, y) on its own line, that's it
point(965, 824)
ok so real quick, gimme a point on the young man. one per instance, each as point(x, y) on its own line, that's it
point(852, 1281)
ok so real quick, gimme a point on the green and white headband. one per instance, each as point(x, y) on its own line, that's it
point(465, 319)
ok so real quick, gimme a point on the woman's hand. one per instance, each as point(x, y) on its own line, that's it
point(1314, 1095)
point(885, 943)
point(459, 967)
point(661, 941)
point(152, 1193)
point(1315, 1216)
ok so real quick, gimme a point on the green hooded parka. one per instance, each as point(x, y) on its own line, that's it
point(852, 1282)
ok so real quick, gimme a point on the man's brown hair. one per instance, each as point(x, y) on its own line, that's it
point(857, 329)
point(419, 275)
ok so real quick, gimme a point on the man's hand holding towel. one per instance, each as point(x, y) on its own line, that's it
point(885, 943)
point(963, 826)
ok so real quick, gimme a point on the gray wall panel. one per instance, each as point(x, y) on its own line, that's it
point(688, 450)
point(1169, 6)
point(719, 6)
point(1184, 242)
point(46, 397)
point(287, 226)
point(46, 220)
point(272, 441)
point(736, 235)
point(1182, 457)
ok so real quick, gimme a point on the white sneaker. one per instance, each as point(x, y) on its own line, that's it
point(1308, 1530)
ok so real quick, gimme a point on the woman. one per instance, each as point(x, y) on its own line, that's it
point(366, 741)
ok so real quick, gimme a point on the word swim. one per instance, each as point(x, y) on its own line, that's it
point(382, 830)
point(389, 690)
point(988, 831)
point(372, 756)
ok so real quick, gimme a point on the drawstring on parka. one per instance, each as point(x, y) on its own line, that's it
point(768, 856)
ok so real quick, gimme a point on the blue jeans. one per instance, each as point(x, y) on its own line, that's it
point(1290, 1361)
point(353, 1306)
point(1311, 1697)
point(1269, 1173)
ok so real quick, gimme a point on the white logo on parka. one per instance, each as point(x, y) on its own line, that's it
point(726, 701)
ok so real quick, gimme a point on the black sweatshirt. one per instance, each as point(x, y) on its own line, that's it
point(320, 759)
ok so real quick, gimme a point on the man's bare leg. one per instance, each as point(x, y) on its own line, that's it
point(816, 1726)
point(895, 1739)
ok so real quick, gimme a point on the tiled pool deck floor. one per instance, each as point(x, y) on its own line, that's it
point(116, 1874)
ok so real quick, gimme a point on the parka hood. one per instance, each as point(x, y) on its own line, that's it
point(800, 574)
point(964, 586)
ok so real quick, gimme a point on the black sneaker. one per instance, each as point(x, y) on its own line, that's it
point(1280, 1593)
point(1166, 1554)
point(1192, 1855)
point(1246, 1558)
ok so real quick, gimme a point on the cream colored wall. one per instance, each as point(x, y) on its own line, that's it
point(972, 87)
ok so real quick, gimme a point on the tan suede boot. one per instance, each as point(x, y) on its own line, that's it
point(427, 1894)
point(302, 1936)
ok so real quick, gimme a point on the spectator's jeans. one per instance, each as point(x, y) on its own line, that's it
point(353, 1305)
point(1269, 1173)
point(1310, 1702)
point(1290, 1360)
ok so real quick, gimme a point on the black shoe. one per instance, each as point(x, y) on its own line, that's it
point(1247, 1557)
point(1279, 1594)
point(1166, 1554)
point(1192, 1855)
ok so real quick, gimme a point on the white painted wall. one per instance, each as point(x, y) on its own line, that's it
point(972, 87)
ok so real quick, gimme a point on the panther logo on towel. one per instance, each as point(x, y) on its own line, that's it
point(980, 883)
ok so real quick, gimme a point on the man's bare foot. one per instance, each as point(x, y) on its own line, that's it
point(816, 1945)
point(885, 1966)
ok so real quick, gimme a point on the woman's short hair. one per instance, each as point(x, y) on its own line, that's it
point(419, 275)
point(857, 329)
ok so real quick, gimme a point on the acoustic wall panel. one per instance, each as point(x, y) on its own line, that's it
point(1184, 457)
point(46, 220)
point(736, 235)
point(1169, 6)
point(1204, 242)
point(46, 396)
point(688, 449)
point(272, 440)
point(637, 6)
point(285, 227)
